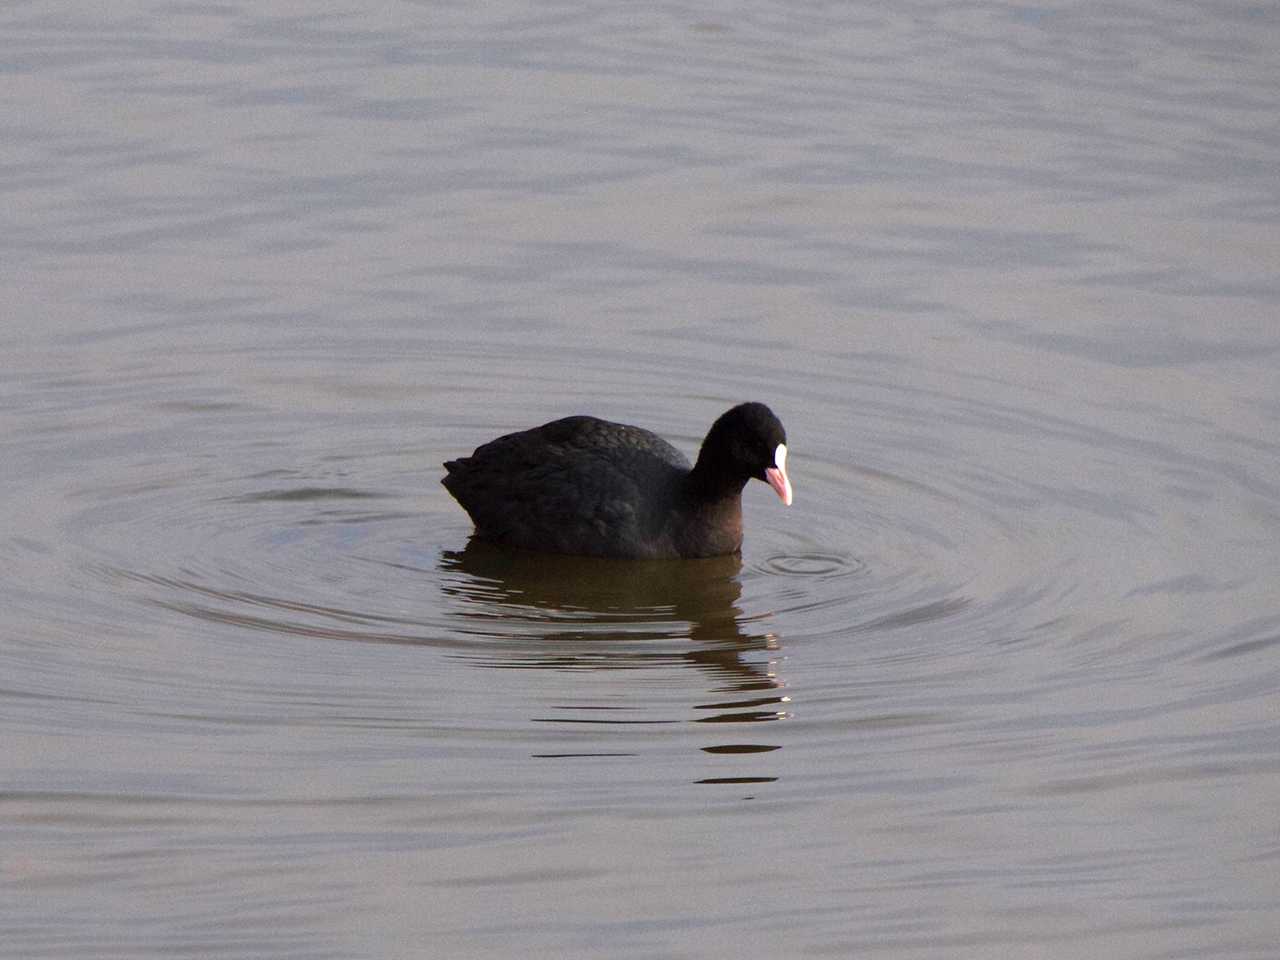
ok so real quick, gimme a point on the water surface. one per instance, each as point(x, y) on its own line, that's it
point(1003, 681)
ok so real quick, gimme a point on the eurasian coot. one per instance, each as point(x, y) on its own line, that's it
point(586, 486)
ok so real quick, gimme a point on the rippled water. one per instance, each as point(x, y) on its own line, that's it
point(1003, 681)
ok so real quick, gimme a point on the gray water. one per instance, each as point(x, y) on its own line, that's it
point(1002, 682)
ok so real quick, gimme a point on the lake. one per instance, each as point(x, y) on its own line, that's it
point(1003, 681)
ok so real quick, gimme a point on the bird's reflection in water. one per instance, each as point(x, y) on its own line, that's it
point(546, 611)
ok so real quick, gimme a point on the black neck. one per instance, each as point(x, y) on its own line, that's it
point(708, 484)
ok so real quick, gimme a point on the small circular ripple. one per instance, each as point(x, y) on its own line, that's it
point(819, 565)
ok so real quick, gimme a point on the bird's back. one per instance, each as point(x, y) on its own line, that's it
point(576, 485)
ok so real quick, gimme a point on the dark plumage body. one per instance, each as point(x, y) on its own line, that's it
point(587, 486)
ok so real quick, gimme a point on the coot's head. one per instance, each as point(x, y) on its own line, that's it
point(747, 442)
